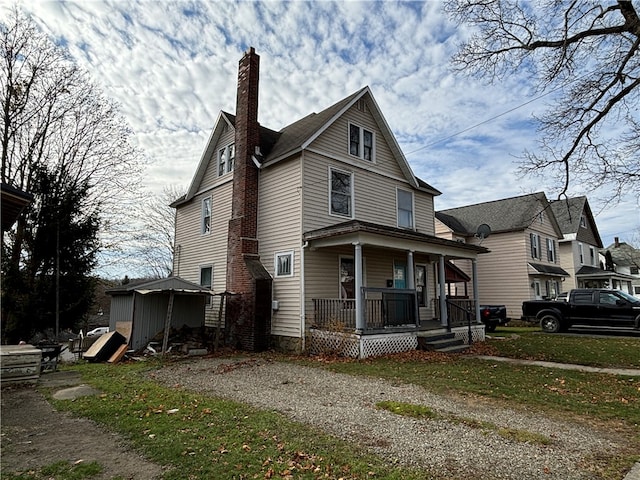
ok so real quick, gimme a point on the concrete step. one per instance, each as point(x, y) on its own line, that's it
point(440, 342)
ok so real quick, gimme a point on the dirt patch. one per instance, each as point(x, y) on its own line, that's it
point(34, 435)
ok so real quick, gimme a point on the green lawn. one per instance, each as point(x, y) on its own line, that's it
point(597, 351)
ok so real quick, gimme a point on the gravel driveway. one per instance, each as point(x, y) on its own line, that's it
point(344, 406)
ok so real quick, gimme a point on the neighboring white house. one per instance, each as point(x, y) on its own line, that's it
point(625, 261)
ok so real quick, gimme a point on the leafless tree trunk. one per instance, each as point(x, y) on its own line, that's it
point(586, 50)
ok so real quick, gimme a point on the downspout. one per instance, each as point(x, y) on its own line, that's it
point(303, 300)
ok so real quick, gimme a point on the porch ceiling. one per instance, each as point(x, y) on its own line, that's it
point(365, 233)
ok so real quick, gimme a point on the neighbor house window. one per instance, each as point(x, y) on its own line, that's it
point(347, 278)
point(361, 142)
point(405, 208)
point(581, 252)
point(284, 264)
point(535, 245)
point(592, 255)
point(551, 250)
point(226, 159)
point(341, 201)
point(633, 270)
point(206, 216)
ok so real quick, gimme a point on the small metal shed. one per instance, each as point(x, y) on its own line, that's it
point(140, 312)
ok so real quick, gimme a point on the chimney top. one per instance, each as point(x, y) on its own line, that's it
point(616, 242)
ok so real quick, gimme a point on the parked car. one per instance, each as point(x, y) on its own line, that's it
point(585, 306)
point(492, 316)
point(98, 331)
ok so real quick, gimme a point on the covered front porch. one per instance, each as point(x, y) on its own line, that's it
point(392, 285)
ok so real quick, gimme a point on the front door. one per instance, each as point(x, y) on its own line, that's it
point(399, 275)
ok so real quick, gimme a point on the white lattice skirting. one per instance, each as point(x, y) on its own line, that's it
point(360, 346)
point(363, 346)
point(477, 333)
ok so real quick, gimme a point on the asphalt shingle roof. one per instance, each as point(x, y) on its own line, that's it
point(508, 214)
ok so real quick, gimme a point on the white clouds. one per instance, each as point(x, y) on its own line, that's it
point(172, 66)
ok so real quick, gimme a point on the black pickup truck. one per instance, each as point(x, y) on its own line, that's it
point(492, 316)
point(585, 306)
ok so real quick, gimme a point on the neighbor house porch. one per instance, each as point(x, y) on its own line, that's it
point(389, 287)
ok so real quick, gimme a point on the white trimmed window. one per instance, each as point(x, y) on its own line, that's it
point(284, 264)
point(361, 143)
point(341, 195)
point(404, 201)
point(535, 245)
point(206, 276)
point(206, 216)
point(592, 255)
point(581, 252)
point(226, 159)
point(583, 221)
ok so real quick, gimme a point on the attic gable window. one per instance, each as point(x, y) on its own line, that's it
point(583, 221)
point(226, 159)
point(361, 143)
point(206, 216)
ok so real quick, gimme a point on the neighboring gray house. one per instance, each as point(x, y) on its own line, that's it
point(580, 246)
point(523, 263)
point(626, 263)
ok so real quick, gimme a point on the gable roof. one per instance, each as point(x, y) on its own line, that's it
point(505, 215)
point(623, 254)
point(568, 213)
point(292, 139)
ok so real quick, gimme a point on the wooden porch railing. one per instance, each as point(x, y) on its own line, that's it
point(383, 308)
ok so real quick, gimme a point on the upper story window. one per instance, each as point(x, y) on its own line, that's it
point(534, 238)
point(341, 195)
point(284, 264)
point(361, 143)
point(581, 253)
point(592, 255)
point(551, 250)
point(206, 216)
point(405, 208)
point(226, 159)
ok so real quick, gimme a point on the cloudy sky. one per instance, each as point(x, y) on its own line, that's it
point(172, 66)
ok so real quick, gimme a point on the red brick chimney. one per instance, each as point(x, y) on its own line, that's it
point(248, 313)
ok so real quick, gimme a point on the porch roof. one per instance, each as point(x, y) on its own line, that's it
point(598, 273)
point(549, 270)
point(366, 233)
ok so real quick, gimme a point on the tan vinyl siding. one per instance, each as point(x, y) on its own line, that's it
point(334, 142)
point(194, 250)
point(567, 262)
point(374, 196)
point(502, 274)
point(442, 231)
point(211, 173)
point(279, 231)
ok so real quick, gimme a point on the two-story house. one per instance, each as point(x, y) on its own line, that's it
point(319, 226)
point(580, 245)
point(523, 263)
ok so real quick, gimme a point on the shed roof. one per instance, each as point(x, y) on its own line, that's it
point(170, 284)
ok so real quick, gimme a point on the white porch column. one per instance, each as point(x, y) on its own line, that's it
point(474, 273)
point(443, 291)
point(411, 280)
point(360, 323)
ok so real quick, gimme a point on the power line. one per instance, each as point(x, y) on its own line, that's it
point(499, 115)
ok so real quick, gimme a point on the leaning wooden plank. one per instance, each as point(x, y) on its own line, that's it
point(104, 347)
point(119, 353)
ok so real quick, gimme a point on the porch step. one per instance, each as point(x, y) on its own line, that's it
point(442, 342)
